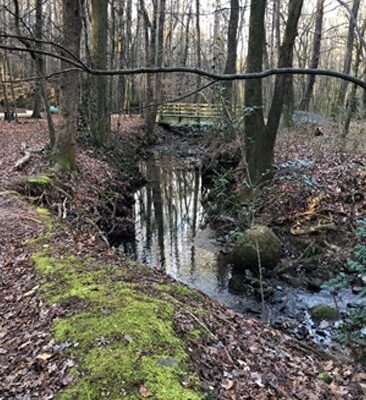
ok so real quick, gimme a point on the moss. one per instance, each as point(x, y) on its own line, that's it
point(121, 333)
point(323, 376)
point(41, 180)
point(178, 289)
point(258, 237)
point(321, 312)
point(43, 212)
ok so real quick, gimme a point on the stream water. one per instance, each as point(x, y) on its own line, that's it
point(171, 234)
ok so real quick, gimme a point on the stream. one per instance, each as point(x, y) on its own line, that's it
point(171, 234)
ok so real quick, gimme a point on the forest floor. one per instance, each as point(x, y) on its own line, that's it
point(79, 321)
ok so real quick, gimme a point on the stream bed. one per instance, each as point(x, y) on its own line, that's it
point(171, 234)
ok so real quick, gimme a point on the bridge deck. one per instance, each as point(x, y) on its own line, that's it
point(188, 114)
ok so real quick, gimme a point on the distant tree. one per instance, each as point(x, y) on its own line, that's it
point(348, 56)
point(232, 45)
point(155, 52)
point(310, 82)
point(198, 46)
point(37, 98)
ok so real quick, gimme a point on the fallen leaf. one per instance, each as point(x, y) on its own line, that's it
point(144, 392)
point(44, 356)
point(227, 384)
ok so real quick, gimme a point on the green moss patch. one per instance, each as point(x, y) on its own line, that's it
point(121, 334)
point(321, 312)
point(40, 180)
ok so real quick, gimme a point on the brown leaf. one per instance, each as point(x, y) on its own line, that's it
point(144, 392)
point(227, 384)
point(44, 356)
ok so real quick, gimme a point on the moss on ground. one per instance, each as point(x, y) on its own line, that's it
point(325, 312)
point(43, 179)
point(121, 333)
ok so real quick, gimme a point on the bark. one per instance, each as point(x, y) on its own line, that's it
point(122, 59)
point(260, 139)
point(100, 120)
point(305, 102)
point(37, 99)
point(198, 47)
point(156, 58)
point(232, 45)
point(254, 119)
point(352, 100)
point(289, 103)
point(282, 82)
point(348, 57)
point(64, 150)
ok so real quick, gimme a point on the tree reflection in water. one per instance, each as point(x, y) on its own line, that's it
point(169, 220)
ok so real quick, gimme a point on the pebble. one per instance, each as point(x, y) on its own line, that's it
point(168, 362)
point(324, 325)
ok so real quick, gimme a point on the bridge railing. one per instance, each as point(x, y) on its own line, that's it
point(186, 114)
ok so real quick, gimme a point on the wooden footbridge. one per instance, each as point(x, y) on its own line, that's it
point(189, 114)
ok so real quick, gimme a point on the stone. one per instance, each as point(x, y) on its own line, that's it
point(324, 312)
point(324, 325)
point(237, 284)
point(245, 251)
point(168, 362)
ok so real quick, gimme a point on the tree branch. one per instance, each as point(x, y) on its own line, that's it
point(190, 70)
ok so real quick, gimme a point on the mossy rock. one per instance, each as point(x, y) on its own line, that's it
point(323, 312)
point(245, 252)
point(238, 284)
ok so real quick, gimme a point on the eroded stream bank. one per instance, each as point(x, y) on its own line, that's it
point(171, 233)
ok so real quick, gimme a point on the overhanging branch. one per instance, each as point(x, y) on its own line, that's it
point(79, 65)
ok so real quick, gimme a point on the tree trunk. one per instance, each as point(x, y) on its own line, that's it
point(37, 99)
point(64, 150)
point(198, 48)
point(348, 57)
point(232, 45)
point(100, 119)
point(254, 119)
point(260, 139)
point(156, 59)
point(305, 102)
point(289, 103)
point(352, 100)
point(282, 81)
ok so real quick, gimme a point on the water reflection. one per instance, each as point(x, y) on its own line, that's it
point(168, 214)
point(170, 230)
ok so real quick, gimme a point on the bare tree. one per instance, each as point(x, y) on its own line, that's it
point(232, 45)
point(37, 99)
point(198, 46)
point(348, 56)
point(305, 102)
